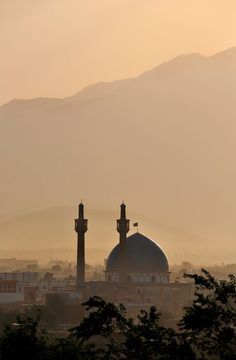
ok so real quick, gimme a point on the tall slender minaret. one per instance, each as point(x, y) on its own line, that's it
point(81, 226)
point(123, 229)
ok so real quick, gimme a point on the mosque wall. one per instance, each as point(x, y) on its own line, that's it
point(153, 277)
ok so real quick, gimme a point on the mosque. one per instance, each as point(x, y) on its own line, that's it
point(137, 272)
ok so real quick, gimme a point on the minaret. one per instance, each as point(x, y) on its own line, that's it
point(81, 228)
point(123, 229)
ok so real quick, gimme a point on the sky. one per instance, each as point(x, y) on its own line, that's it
point(54, 48)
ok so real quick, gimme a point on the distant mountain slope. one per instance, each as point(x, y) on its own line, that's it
point(164, 142)
point(54, 229)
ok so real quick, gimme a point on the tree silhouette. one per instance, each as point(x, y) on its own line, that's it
point(206, 331)
point(23, 340)
point(210, 322)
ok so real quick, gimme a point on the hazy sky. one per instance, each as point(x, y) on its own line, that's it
point(57, 47)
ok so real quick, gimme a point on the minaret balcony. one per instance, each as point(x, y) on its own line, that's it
point(122, 226)
point(81, 225)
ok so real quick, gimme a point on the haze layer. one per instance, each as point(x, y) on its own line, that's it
point(163, 141)
point(54, 48)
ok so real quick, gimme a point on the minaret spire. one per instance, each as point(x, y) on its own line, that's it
point(81, 226)
point(123, 229)
point(123, 211)
point(81, 210)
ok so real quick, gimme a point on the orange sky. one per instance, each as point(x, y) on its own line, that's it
point(57, 47)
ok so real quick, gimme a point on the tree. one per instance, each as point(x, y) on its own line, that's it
point(206, 331)
point(108, 334)
point(148, 340)
point(98, 334)
point(48, 276)
point(23, 341)
point(32, 267)
point(210, 323)
point(56, 268)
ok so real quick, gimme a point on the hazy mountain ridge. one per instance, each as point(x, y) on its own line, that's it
point(54, 229)
point(180, 64)
point(163, 141)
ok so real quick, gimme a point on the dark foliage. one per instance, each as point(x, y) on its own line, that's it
point(23, 340)
point(206, 331)
point(210, 323)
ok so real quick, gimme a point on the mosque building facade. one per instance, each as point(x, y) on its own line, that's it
point(137, 272)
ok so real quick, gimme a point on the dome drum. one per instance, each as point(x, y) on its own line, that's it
point(140, 277)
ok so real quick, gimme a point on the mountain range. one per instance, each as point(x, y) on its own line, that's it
point(164, 142)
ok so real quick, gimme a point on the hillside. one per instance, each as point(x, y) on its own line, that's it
point(164, 142)
point(49, 233)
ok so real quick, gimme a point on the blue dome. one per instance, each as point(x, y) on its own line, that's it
point(143, 255)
